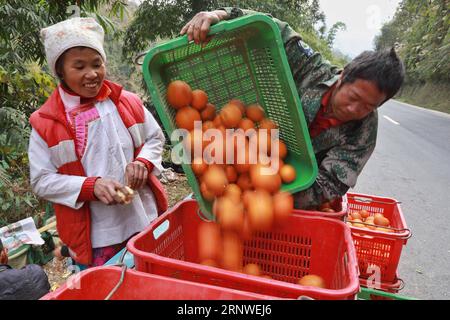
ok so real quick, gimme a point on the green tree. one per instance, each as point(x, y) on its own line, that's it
point(160, 19)
point(331, 36)
point(420, 30)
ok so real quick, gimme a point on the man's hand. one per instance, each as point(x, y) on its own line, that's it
point(106, 190)
point(197, 29)
point(136, 175)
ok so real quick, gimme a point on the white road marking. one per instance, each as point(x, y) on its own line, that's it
point(394, 122)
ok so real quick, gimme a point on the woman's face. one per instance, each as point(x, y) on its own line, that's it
point(83, 71)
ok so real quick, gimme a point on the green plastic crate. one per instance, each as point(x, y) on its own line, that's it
point(245, 60)
point(373, 294)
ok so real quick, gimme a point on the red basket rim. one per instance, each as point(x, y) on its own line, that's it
point(339, 215)
point(352, 287)
point(61, 289)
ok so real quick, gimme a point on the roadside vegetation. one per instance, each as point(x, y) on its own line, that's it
point(420, 31)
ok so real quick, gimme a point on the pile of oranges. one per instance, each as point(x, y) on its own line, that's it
point(326, 207)
point(363, 219)
point(245, 194)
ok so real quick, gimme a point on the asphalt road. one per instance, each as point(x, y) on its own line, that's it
point(411, 163)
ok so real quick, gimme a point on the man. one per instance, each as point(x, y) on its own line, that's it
point(340, 107)
point(28, 283)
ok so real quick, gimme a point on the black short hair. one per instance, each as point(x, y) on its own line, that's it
point(383, 67)
point(59, 65)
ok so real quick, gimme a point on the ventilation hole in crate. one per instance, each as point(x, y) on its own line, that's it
point(272, 95)
point(278, 255)
point(172, 245)
point(372, 256)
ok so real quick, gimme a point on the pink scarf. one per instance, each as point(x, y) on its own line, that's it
point(80, 112)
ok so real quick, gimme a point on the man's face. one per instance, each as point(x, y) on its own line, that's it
point(83, 71)
point(354, 101)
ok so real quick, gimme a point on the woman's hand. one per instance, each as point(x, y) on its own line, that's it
point(4, 256)
point(57, 254)
point(136, 175)
point(107, 191)
point(197, 29)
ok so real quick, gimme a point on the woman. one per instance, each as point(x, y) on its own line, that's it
point(89, 141)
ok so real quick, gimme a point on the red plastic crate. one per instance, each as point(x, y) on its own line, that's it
point(305, 245)
point(339, 205)
point(97, 283)
point(374, 248)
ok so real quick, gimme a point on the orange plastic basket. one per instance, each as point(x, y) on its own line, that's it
point(97, 284)
point(305, 245)
point(339, 205)
point(379, 251)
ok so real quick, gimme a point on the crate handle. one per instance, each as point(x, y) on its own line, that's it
point(117, 286)
point(214, 31)
point(409, 235)
point(402, 284)
point(161, 229)
point(390, 228)
point(218, 28)
point(122, 256)
point(370, 200)
point(202, 216)
point(139, 56)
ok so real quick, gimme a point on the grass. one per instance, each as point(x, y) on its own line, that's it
point(177, 190)
point(429, 95)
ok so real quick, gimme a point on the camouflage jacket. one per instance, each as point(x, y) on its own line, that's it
point(341, 152)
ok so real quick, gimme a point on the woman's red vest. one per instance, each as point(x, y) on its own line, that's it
point(74, 226)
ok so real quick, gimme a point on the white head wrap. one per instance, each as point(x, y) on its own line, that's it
point(75, 32)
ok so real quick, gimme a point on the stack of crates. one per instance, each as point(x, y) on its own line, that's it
point(378, 251)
